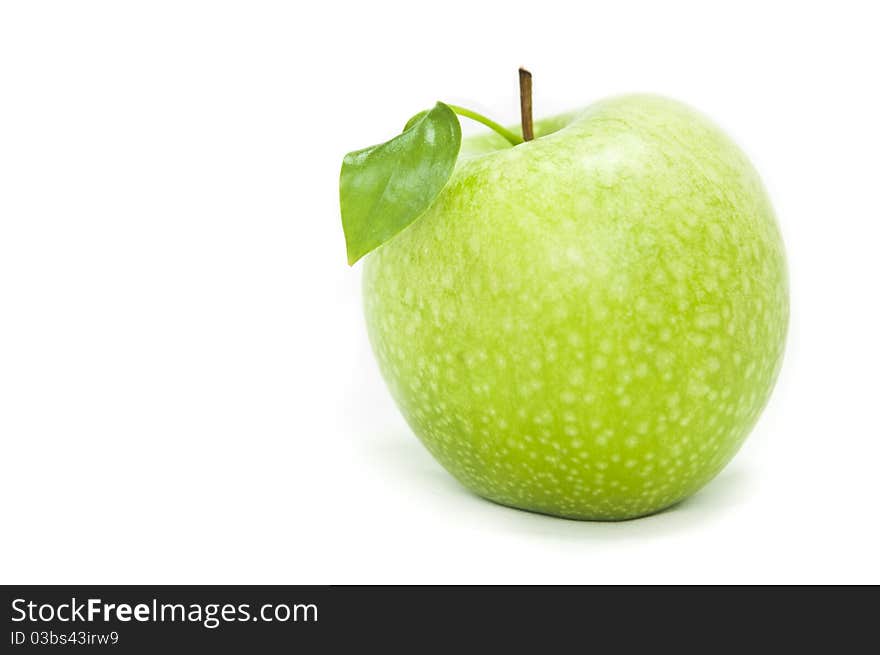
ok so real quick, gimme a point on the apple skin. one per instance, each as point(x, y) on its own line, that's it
point(588, 324)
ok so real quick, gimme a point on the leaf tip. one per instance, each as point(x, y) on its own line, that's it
point(352, 253)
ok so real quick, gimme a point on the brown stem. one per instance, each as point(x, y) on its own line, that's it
point(525, 103)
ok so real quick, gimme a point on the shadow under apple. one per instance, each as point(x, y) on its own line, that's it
point(415, 469)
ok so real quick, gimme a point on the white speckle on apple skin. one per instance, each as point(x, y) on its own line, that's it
point(587, 325)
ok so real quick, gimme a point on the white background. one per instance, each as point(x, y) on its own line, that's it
point(186, 390)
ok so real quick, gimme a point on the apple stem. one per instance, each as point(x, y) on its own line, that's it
point(525, 103)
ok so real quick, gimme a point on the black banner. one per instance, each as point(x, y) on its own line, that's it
point(270, 619)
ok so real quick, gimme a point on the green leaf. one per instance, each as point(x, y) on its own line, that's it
point(384, 188)
point(415, 119)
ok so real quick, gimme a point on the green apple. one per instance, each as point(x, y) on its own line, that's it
point(587, 324)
